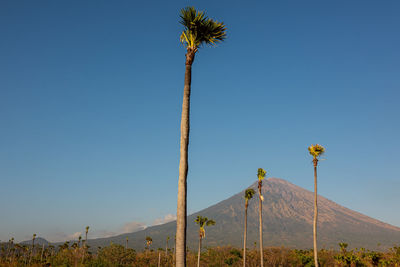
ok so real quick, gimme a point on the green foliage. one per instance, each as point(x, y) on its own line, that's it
point(230, 261)
point(249, 193)
point(348, 258)
point(203, 222)
point(304, 257)
point(261, 174)
point(235, 252)
point(316, 150)
point(199, 29)
point(343, 247)
point(118, 256)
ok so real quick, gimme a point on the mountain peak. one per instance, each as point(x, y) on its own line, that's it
point(287, 221)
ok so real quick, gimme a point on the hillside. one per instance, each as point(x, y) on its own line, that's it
point(287, 221)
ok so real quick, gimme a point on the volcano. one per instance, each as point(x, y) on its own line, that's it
point(287, 221)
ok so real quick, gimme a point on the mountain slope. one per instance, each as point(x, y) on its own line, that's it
point(287, 221)
point(38, 241)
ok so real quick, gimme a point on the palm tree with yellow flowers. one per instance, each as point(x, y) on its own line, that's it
point(261, 175)
point(202, 222)
point(315, 151)
point(248, 194)
point(199, 30)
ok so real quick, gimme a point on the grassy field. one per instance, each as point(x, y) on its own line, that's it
point(117, 255)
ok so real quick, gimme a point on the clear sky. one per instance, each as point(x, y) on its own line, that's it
point(90, 104)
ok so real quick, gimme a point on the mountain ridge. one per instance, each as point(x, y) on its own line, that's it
point(287, 221)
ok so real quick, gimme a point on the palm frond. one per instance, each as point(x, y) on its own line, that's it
point(261, 174)
point(316, 150)
point(210, 222)
point(248, 194)
point(199, 29)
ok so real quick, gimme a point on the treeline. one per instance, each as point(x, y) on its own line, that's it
point(116, 255)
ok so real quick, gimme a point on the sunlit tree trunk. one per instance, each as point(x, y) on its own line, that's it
point(260, 222)
point(315, 161)
point(245, 233)
point(41, 255)
point(166, 248)
point(183, 165)
point(199, 253)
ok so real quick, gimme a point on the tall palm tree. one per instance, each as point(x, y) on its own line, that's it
point(33, 240)
point(86, 233)
point(33, 247)
point(198, 30)
point(202, 222)
point(126, 245)
point(248, 194)
point(315, 151)
point(261, 175)
point(85, 247)
point(166, 247)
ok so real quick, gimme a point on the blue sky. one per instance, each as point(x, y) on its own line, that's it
point(90, 103)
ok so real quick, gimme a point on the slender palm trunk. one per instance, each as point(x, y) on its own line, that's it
point(84, 248)
point(174, 254)
point(183, 165)
point(166, 249)
point(159, 259)
point(245, 233)
point(260, 222)
point(33, 251)
point(41, 256)
point(199, 253)
point(315, 161)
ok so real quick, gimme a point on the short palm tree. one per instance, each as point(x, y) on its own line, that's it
point(33, 240)
point(149, 241)
point(166, 247)
point(315, 151)
point(86, 233)
point(33, 247)
point(261, 175)
point(159, 257)
point(198, 30)
point(248, 194)
point(85, 246)
point(202, 222)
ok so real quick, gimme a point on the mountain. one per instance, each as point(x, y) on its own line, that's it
point(38, 241)
point(287, 221)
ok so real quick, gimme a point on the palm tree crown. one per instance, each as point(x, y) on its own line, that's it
point(261, 174)
point(203, 222)
point(316, 150)
point(199, 29)
point(248, 194)
point(149, 240)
